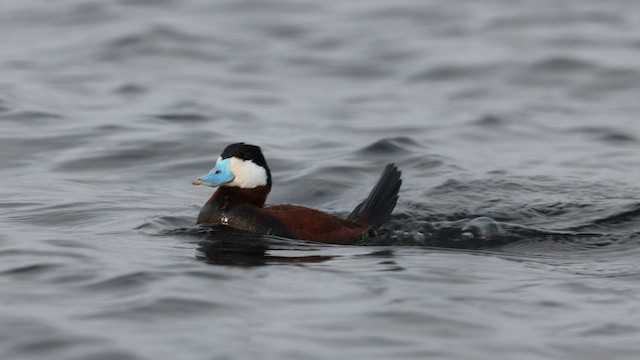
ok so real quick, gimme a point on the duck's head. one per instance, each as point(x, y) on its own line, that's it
point(240, 165)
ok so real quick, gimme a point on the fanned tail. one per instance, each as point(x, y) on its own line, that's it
point(377, 208)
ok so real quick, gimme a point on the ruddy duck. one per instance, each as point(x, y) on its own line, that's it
point(244, 181)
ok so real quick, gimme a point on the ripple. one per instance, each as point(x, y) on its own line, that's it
point(127, 281)
point(613, 79)
point(458, 72)
point(178, 224)
point(72, 213)
point(396, 145)
point(344, 68)
point(193, 112)
point(286, 31)
point(164, 307)
point(130, 89)
point(611, 329)
point(585, 78)
point(183, 117)
point(630, 214)
point(560, 65)
point(276, 7)
point(162, 40)
point(557, 71)
point(551, 19)
point(356, 70)
point(37, 338)
point(31, 116)
point(606, 134)
point(150, 3)
point(143, 155)
point(45, 267)
point(422, 14)
point(490, 121)
point(30, 270)
point(33, 253)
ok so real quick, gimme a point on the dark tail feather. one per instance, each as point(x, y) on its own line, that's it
point(377, 208)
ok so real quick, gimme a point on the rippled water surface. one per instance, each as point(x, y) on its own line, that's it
point(525, 112)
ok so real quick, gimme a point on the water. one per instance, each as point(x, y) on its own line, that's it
point(523, 112)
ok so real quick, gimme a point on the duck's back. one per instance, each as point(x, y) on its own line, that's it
point(314, 225)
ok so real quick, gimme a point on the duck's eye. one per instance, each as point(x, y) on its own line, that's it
point(218, 172)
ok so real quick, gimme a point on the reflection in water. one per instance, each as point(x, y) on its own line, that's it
point(230, 247)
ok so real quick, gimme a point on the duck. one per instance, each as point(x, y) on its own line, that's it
point(243, 181)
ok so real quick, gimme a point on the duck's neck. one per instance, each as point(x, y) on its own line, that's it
point(227, 196)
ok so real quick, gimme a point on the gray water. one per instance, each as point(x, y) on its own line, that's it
point(525, 112)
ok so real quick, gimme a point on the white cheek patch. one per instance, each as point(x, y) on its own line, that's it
point(247, 174)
